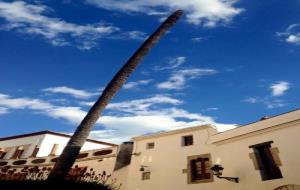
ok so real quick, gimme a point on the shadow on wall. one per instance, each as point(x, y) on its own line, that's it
point(288, 187)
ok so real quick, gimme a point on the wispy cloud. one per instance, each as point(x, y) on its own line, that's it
point(33, 19)
point(172, 63)
point(197, 39)
point(211, 109)
point(291, 35)
point(198, 12)
point(178, 79)
point(135, 35)
point(136, 84)
point(251, 100)
point(71, 114)
point(140, 105)
point(268, 102)
point(23, 103)
point(82, 94)
point(279, 88)
point(272, 101)
point(3, 110)
point(127, 119)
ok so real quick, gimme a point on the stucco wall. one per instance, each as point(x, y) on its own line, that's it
point(32, 141)
point(50, 140)
point(167, 161)
point(168, 158)
point(235, 159)
point(45, 142)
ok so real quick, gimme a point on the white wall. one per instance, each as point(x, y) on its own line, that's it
point(168, 158)
point(45, 142)
point(166, 161)
point(50, 140)
point(235, 159)
point(14, 143)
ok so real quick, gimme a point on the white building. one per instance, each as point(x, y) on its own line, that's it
point(263, 155)
point(40, 144)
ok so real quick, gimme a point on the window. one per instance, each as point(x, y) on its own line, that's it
point(54, 150)
point(150, 145)
point(187, 140)
point(35, 151)
point(146, 175)
point(266, 160)
point(199, 169)
point(18, 153)
point(2, 153)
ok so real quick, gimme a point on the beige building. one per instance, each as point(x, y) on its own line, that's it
point(260, 155)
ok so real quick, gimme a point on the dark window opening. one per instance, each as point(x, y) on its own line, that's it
point(187, 140)
point(266, 162)
point(18, 153)
point(146, 175)
point(2, 154)
point(200, 169)
point(150, 145)
point(35, 152)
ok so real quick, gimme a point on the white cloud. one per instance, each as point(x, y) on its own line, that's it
point(139, 106)
point(211, 109)
point(71, 114)
point(178, 78)
point(135, 35)
point(82, 94)
point(251, 100)
point(198, 12)
point(291, 34)
point(279, 88)
point(3, 110)
point(268, 102)
point(33, 19)
point(136, 84)
point(271, 104)
point(130, 118)
point(23, 103)
point(173, 63)
point(197, 39)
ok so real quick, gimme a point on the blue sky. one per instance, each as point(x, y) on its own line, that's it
point(226, 62)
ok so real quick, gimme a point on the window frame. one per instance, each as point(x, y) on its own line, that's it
point(184, 141)
point(146, 175)
point(148, 147)
point(265, 160)
point(190, 179)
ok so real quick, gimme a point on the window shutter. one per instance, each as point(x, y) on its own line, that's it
point(275, 155)
point(35, 151)
point(253, 158)
point(16, 153)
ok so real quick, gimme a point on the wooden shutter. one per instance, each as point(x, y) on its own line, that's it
point(257, 164)
point(35, 151)
point(18, 152)
point(275, 155)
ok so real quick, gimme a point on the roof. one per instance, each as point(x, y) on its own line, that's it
point(52, 133)
point(275, 122)
point(250, 128)
point(173, 132)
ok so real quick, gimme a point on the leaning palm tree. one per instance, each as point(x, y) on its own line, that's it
point(70, 152)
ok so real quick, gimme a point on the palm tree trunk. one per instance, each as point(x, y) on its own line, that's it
point(70, 152)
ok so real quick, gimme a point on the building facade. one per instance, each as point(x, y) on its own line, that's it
point(260, 155)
